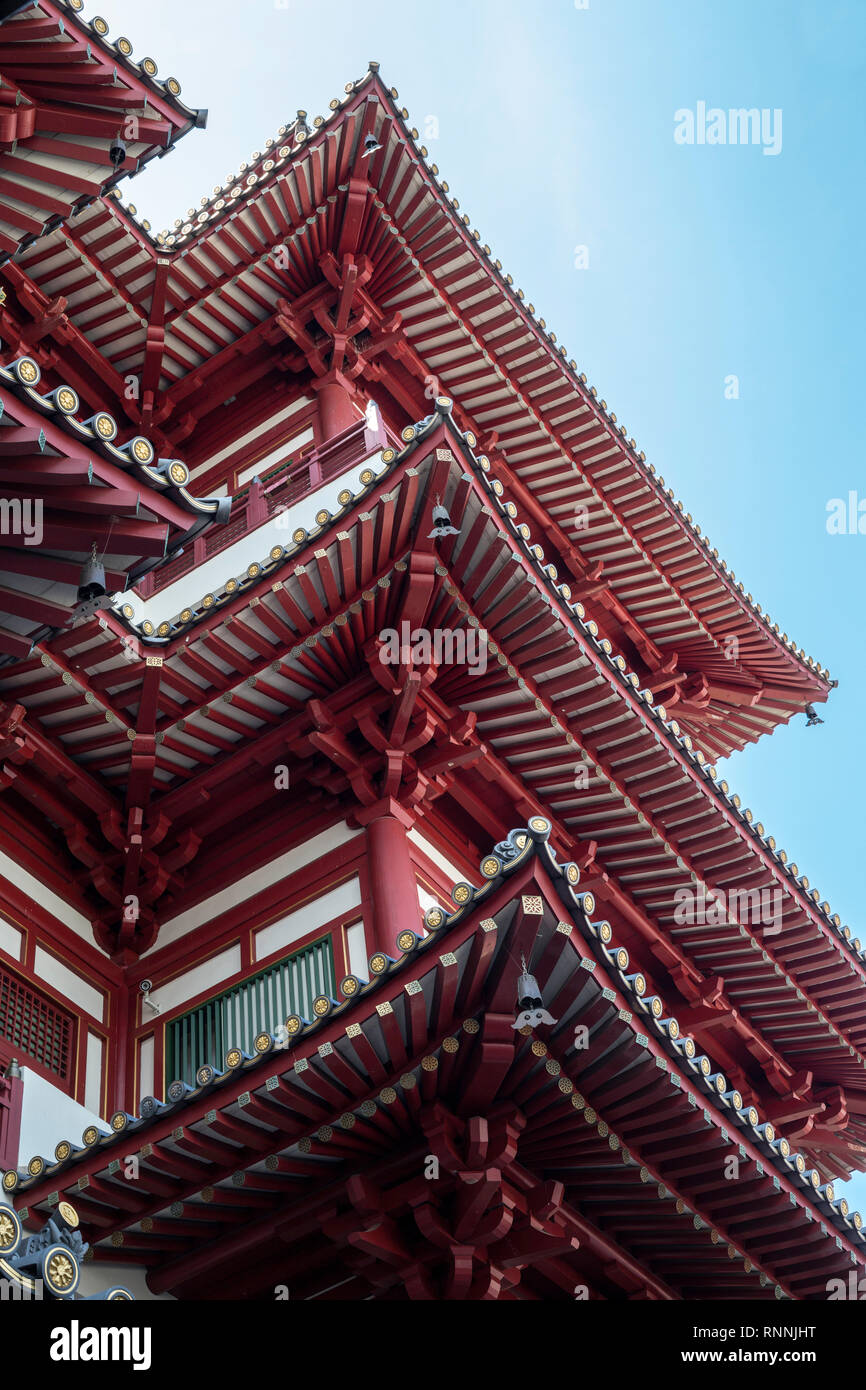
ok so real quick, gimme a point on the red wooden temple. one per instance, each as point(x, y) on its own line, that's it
point(374, 922)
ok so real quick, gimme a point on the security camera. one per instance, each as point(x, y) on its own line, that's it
point(117, 152)
point(146, 986)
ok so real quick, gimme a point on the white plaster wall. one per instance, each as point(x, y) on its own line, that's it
point(356, 949)
point(13, 873)
point(260, 427)
point(96, 1277)
point(438, 859)
point(67, 983)
point(11, 939)
point(93, 1075)
point(278, 869)
point(145, 1069)
point(49, 1115)
point(427, 900)
point(202, 978)
point(286, 449)
point(305, 919)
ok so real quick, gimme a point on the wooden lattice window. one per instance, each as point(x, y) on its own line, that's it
point(34, 1027)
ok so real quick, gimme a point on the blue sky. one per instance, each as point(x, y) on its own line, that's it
point(556, 130)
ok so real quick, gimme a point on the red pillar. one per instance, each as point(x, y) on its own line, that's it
point(336, 411)
point(120, 1077)
point(11, 1095)
point(393, 885)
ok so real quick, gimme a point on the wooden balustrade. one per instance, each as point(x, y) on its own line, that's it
point(282, 486)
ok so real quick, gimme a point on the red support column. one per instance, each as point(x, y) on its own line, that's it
point(393, 885)
point(336, 411)
point(120, 1069)
point(11, 1095)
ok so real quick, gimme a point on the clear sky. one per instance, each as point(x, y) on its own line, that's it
point(556, 130)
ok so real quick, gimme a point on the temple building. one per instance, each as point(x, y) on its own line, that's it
point(374, 922)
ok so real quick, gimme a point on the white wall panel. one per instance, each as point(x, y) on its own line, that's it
point(432, 852)
point(198, 980)
point(427, 900)
point(278, 869)
point(67, 983)
point(98, 1276)
point(305, 919)
point(145, 1069)
point(49, 1115)
point(93, 1075)
point(11, 939)
point(44, 897)
point(261, 427)
point(282, 451)
point(356, 950)
point(189, 587)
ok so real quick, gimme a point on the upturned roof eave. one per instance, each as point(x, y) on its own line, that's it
point(681, 747)
point(162, 96)
point(594, 949)
point(257, 178)
point(818, 682)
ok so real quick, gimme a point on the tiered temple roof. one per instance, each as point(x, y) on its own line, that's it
point(209, 313)
point(621, 658)
point(290, 646)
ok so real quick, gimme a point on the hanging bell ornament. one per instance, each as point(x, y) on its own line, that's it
point(529, 1002)
point(92, 582)
point(442, 524)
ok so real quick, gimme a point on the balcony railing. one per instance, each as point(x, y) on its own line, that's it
point(281, 486)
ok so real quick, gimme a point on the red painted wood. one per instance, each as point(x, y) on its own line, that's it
point(11, 1096)
point(393, 884)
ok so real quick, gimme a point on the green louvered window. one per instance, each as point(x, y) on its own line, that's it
point(256, 1005)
